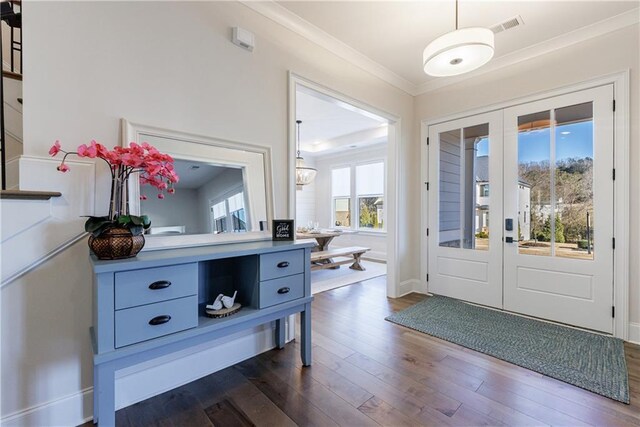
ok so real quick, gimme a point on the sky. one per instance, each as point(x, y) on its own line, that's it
point(572, 140)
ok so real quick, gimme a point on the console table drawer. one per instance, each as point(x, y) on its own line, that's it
point(133, 288)
point(281, 264)
point(277, 291)
point(138, 324)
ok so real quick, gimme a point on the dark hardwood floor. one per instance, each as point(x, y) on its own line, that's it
point(369, 372)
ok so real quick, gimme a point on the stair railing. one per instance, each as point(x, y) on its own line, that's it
point(11, 14)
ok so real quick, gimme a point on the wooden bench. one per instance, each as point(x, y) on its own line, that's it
point(324, 259)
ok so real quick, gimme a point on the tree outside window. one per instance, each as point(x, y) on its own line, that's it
point(359, 189)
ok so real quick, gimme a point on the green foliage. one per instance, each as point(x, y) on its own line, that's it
point(482, 235)
point(583, 244)
point(96, 225)
point(574, 196)
point(559, 230)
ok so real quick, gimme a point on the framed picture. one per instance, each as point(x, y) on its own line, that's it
point(283, 229)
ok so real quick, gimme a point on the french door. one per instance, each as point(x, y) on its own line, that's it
point(465, 160)
point(522, 216)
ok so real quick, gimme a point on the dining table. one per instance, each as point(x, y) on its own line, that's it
point(323, 238)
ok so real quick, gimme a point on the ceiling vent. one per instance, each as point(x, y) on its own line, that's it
point(508, 24)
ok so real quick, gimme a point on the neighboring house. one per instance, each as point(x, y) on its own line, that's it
point(483, 200)
point(88, 64)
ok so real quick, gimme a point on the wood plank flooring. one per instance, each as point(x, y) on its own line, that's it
point(369, 372)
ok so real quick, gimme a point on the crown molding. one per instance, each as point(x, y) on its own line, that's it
point(283, 16)
point(596, 29)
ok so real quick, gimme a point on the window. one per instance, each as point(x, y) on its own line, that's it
point(370, 194)
point(360, 189)
point(219, 213)
point(340, 194)
point(484, 190)
point(229, 215)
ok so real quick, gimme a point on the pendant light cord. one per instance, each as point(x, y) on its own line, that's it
point(456, 14)
point(298, 132)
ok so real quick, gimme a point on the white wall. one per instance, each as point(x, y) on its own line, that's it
point(165, 64)
point(613, 52)
point(377, 242)
point(180, 208)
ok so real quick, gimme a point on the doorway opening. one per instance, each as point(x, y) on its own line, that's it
point(512, 206)
point(343, 196)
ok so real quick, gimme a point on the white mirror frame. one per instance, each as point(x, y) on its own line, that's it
point(199, 148)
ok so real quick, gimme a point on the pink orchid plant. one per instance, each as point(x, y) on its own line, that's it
point(154, 168)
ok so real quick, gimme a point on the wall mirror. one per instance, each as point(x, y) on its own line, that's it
point(224, 194)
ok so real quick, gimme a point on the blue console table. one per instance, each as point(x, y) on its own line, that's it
point(153, 304)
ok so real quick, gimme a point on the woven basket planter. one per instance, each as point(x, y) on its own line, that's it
point(116, 243)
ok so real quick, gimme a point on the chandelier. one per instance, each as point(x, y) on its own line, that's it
point(304, 174)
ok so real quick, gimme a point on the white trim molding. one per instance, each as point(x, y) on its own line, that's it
point(622, 165)
point(283, 16)
point(150, 379)
point(58, 219)
point(565, 40)
point(304, 28)
point(410, 286)
point(392, 167)
point(634, 333)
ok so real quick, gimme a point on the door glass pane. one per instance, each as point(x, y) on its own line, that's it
point(535, 217)
point(464, 188)
point(574, 220)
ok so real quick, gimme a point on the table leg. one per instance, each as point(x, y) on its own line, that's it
point(104, 395)
point(305, 335)
point(280, 332)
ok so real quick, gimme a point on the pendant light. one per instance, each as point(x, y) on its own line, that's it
point(304, 174)
point(459, 51)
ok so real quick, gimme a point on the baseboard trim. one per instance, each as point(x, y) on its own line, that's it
point(74, 409)
point(409, 286)
point(148, 380)
point(634, 333)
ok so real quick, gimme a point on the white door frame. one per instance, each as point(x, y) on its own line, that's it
point(392, 166)
point(621, 142)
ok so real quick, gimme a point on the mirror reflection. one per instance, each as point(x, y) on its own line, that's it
point(224, 193)
point(208, 199)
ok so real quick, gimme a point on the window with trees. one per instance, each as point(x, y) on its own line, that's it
point(360, 189)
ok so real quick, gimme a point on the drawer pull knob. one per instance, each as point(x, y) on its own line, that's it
point(283, 264)
point(283, 290)
point(159, 320)
point(160, 284)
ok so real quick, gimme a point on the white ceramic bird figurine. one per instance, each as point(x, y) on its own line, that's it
point(217, 304)
point(228, 301)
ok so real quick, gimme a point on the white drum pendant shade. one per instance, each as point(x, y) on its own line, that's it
point(458, 52)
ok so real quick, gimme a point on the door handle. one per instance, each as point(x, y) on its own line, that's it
point(283, 290)
point(283, 264)
point(508, 239)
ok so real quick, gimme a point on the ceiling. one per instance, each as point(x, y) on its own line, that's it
point(327, 123)
point(388, 37)
point(325, 118)
point(194, 175)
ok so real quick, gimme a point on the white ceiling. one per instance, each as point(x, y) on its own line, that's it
point(388, 37)
point(326, 120)
point(192, 178)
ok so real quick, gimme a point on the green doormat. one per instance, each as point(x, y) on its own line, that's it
point(591, 361)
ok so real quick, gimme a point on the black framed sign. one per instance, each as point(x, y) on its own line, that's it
point(283, 229)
